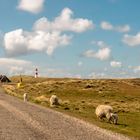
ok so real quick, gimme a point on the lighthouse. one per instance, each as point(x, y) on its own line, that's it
point(36, 73)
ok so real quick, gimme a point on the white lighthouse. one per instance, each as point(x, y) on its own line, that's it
point(36, 73)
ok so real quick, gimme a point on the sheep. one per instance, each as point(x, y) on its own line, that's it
point(102, 110)
point(25, 97)
point(106, 111)
point(54, 101)
point(112, 117)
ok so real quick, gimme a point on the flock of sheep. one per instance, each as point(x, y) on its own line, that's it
point(102, 111)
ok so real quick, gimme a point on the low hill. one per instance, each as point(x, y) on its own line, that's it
point(80, 97)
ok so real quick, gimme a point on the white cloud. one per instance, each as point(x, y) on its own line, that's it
point(64, 22)
point(15, 42)
point(47, 35)
point(20, 42)
point(14, 66)
point(131, 40)
point(33, 6)
point(108, 26)
point(48, 42)
point(102, 54)
point(116, 64)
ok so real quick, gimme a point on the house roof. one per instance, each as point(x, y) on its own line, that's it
point(3, 78)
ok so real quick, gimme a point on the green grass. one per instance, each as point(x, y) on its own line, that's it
point(79, 98)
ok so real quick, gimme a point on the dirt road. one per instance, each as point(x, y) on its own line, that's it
point(26, 121)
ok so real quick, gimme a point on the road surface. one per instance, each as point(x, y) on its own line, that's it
point(27, 121)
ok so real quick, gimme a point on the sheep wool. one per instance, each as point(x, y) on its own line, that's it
point(106, 111)
point(54, 100)
point(102, 110)
point(25, 97)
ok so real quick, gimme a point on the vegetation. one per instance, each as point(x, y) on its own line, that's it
point(80, 98)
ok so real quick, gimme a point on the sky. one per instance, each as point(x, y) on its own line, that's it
point(70, 38)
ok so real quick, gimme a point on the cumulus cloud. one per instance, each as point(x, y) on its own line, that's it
point(46, 36)
point(116, 64)
point(14, 66)
point(20, 42)
point(132, 40)
point(102, 54)
point(108, 26)
point(64, 22)
point(15, 42)
point(33, 6)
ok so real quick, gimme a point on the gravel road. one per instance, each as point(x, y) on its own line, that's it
point(27, 121)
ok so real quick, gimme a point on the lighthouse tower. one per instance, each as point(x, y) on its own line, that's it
point(36, 73)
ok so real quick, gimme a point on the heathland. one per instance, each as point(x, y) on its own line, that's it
point(80, 97)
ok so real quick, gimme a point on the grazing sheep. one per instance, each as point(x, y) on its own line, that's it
point(25, 97)
point(102, 110)
point(112, 117)
point(106, 111)
point(54, 101)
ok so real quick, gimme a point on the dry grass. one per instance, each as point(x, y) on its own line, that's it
point(80, 98)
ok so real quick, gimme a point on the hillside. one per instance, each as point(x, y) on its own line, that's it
point(80, 98)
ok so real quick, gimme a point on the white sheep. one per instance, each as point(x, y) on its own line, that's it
point(54, 101)
point(25, 97)
point(106, 111)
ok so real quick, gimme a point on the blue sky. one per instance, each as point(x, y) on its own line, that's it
point(70, 38)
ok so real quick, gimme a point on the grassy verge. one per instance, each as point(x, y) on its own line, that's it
point(79, 98)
